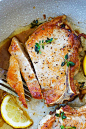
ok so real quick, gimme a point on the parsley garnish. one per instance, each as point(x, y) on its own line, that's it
point(69, 63)
point(63, 127)
point(61, 115)
point(41, 44)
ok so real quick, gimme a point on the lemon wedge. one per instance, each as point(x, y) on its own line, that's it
point(84, 64)
point(13, 114)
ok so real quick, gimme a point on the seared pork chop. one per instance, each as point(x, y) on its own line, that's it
point(25, 68)
point(73, 119)
point(52, 48)
point(14, 79)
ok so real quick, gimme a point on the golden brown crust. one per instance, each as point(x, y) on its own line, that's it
point(44, 31)
point(49, 123)
point(14, 79)
point(25, 68)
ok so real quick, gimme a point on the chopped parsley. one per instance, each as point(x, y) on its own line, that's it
point(61, 115)
point(69, 63)
point(41, 44)
point(63, 127)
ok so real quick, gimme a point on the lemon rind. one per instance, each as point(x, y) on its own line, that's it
point(7, 119)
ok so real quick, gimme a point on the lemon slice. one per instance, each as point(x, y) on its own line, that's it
point(13, 114)
point(84, 65)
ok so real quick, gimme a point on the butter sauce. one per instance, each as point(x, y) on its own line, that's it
point(22, 34)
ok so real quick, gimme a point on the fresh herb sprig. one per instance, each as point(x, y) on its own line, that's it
point(34, 23)
point(37, 48)
point(63, 127)
point(41, 44)
point(62, 115)
point(69, 63)
point(49, 40)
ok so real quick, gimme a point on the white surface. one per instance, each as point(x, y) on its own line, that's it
point(15, 13)
point(37, 109)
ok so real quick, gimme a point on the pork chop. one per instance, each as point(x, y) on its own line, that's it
point(65, 118)
point(14, 79)
point(53, 47)
point(25, 68)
